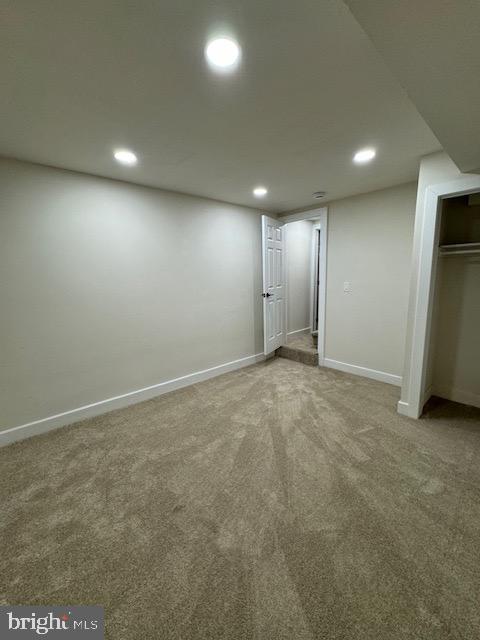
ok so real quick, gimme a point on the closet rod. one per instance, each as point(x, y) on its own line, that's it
point(465, 245)
point(459, 252)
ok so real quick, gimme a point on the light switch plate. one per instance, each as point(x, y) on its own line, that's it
point(347, 287)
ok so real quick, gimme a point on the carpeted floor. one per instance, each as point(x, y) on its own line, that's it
point(304, 341)
point(300, 347)
point(277, 502)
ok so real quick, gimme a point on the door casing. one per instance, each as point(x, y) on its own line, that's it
point(320, 214)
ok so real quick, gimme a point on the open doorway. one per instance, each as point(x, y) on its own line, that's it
point(295, 285)
point(315, 276)
point(302, 279)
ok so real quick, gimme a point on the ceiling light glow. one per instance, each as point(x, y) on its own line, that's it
point(222, 54)
point(260, 192)
point(124, 156)
point(364, 155)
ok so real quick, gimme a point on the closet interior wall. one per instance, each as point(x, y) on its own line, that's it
point(454, 363)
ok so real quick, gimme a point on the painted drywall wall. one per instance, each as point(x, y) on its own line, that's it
point(369, 248)
point(298, 251)
point(107, 287)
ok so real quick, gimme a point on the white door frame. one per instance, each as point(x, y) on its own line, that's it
point(322, 215)
point(313, 284)
point(414, 393)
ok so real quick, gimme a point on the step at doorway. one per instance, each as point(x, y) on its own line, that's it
point(301, 347)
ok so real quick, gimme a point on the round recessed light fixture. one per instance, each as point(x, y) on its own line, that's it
point(126, 157)
point(319, 194)
point(364, 155)
point(223, 54)
point(260, 192)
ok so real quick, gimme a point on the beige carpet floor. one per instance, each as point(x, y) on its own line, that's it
point(300, 347)
point(277, 502)
point(303, 341)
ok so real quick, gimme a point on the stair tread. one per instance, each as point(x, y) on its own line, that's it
point(307, 356)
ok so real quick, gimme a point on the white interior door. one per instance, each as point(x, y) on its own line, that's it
point(274, 289)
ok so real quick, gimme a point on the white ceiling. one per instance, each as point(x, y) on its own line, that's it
point(82, 78)
point(433, 47)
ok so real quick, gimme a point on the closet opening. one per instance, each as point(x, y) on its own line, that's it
point(453, 371)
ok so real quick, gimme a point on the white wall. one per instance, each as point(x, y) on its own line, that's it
point(299, 249)
point(107, 287)
point(369, 246)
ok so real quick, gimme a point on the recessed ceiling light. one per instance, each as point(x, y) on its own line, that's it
point(124, 156)
point(259, 192)
point(364, 155)
point(222, 54)
point(319, 194)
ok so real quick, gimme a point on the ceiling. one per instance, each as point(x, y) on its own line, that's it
point(433, 47)
point(82, 78)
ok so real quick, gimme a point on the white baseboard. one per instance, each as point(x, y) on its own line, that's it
point(290, 333)
point(36, 427)
point(381, 376)
point(405, 409)
point(412, 411)
point(457, 395)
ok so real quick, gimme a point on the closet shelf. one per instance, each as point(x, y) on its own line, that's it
point(467, 248)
